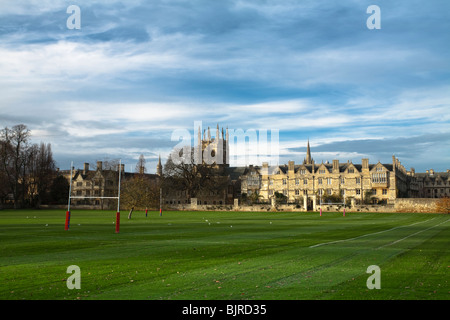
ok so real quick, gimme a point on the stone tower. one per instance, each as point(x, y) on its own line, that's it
point(212, 151)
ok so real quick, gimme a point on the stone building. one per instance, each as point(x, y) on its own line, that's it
point(364, 182)
point(211, 151)
point(429, 184)
point(89, 184)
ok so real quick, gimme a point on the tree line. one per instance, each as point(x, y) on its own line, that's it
point(27, 170)
point(28, 176)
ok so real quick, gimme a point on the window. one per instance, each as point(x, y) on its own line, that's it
point(297, 192)
point(379, 177)
point(322, 171)
point(305, 192)
point(320, 192)
point(342, 181)
point(358, 180)
point(328, 180)
point(320, 180)
point(329, 191)
point(358, 191)
point(351, 170)
point(284, 182)
point(297, 182)
point(79, 184)
point(302, 171)
point(305, 181)
point(384, 191)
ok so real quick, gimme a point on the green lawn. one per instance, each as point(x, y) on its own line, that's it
point(224, 255)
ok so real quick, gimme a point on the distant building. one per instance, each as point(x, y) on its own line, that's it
point(364, 182)
point(429, 184)
point(101, 182)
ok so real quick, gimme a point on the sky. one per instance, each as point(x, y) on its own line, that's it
point(137, 71)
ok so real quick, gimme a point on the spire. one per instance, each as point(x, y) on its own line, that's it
point(209, 135)
point(159, 167)
point(308, 159)
point(217, 133)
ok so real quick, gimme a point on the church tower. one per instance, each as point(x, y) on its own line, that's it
point(159, 167)
point(308, 159)
point(214, 149)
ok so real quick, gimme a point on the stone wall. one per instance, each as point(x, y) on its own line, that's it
point(401, 205)
point(424, 205)
point(416, 204)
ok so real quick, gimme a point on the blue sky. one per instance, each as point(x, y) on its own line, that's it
point(138, 70)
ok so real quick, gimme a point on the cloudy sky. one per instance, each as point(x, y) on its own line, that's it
point(138, 70)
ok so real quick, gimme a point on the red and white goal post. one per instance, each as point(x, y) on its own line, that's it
point(68, 213)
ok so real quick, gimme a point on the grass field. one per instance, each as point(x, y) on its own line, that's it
point(224, 255)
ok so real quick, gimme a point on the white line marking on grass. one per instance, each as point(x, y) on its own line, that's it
point(389, 244)
point(366, 235)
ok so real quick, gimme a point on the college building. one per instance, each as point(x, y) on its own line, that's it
point(306, 183)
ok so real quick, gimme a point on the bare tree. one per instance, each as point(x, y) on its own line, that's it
point(139, 192)
point(185, 174)
point(140, 166)
point(41, 169)
point(13, 159)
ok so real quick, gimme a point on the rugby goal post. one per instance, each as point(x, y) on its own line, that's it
point(68, 213)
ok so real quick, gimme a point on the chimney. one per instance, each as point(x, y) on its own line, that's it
point(291, 165)
point(99, 165)
point(365, 163)
point(265, 168)
point(335, 165)
point(85, 168)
